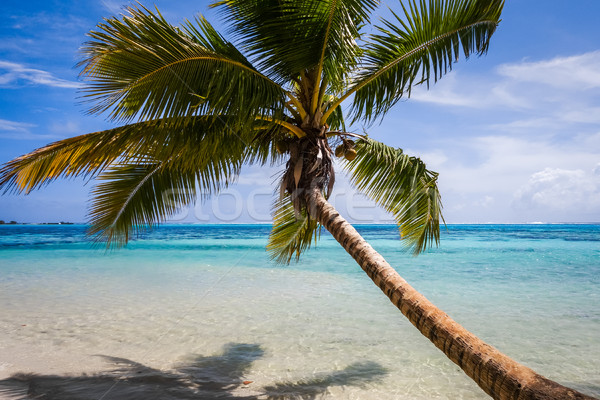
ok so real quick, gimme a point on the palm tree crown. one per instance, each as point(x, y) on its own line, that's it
point(198, 107)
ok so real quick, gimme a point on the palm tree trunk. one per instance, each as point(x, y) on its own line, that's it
point(497, 374)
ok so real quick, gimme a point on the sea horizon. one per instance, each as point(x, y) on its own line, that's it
point(352, 223)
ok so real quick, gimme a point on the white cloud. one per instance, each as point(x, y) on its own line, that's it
point(445, 94)
point(521, 125)
point(499, 178)
point(434, 159)
point(56, 26)
point(15, 127)
point(492, 164)
point(561, 83)
point(531, 147)
point(14, 74)
point(588, 115)
point(115, 7)
point(561, 189)
point(569, 73)
point(486, 201)
point(459, 90)
point(19, 131)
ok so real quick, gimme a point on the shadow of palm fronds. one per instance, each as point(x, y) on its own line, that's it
point(203, 377)
point(212, 377)
point(357, 374)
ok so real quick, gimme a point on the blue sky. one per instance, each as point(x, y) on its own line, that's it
point(515, 135)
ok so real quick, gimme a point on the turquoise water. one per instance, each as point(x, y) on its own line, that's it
point(193, 311)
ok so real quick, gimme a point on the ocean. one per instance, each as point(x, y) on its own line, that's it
point(200, 312)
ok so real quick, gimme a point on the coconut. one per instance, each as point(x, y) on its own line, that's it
point(339, 151)
point(350, 154)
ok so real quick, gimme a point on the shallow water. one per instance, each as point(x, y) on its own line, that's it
point(194, 311)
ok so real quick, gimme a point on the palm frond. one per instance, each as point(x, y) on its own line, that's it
point(292, 233)
point(336, 121)
point(142, 66)
point(263, 147)
point(289, 36)
point(419, 46)
point(339, 35)
point(135, 196)
point(403, 186)
point(90, 154)
point(130, 198)
point(83, 155)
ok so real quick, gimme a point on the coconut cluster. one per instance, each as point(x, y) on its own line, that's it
point(346, 149)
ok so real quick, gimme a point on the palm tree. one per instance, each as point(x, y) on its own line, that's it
point(196, 108)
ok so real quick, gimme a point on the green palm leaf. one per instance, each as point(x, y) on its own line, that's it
point(88, 155)
point(84, 155)
point(292, 232)
point(336, 120)
point(143, 66)
point(132, 197)
point(323, 33)
point(403, 186)
point(419, 46)
point(262, 149)
point(196, 162)
point(339, 33)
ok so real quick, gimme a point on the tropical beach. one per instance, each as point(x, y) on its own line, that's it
point(193, 311)
point(252, 228)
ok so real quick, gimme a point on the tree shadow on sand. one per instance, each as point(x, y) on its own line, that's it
point(357, 374)
point(215, 377)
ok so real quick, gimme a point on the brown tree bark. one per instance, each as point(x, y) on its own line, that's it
point(497, 374)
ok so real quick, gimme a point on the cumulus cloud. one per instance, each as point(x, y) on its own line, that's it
point(572, 73)
point(525, 137)
point(518, 179)
point(560, 189)
point(490, 165)
point(14, 74)
point(564, 83)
